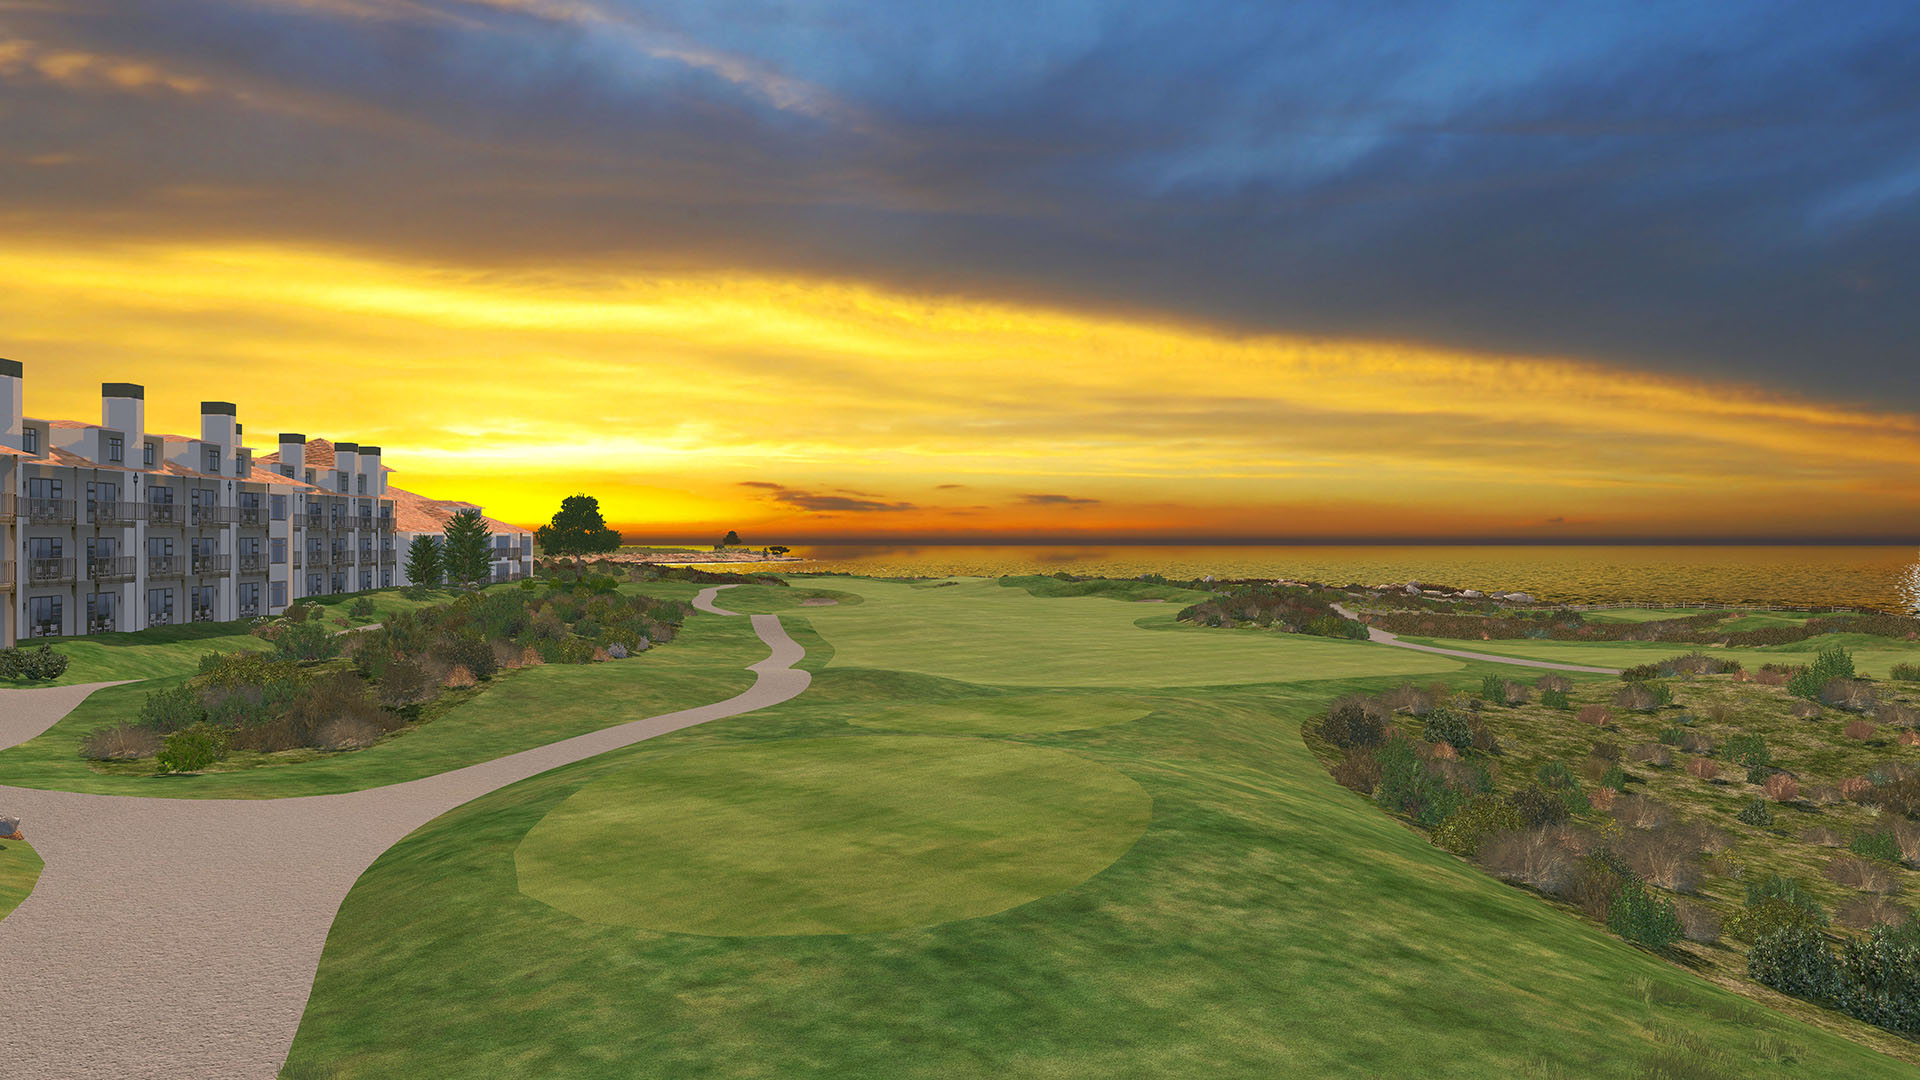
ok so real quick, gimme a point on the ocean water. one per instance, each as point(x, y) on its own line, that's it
point(1887, 578)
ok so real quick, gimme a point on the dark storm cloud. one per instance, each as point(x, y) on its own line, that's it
point(1057, 500)
point(858, 503)
point(1731, 189)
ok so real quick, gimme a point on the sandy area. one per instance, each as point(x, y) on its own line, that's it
point(179, 937)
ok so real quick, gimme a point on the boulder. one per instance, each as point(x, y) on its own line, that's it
point(10, 829)
point(1519, 598)
point(616, 651)
point(1472, 594)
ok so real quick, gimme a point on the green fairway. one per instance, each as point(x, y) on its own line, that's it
point(829, 836)
point(1267, 924)
point(1871, 655)
point(1010, 714)
point(145, 654)
point(978, 631)
point(1638, 615)
point(19, 868)
point(523, 709)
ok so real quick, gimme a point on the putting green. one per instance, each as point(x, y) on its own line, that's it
point(1015, 714)
point(829, 836)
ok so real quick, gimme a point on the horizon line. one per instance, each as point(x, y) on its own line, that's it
point(633, 537)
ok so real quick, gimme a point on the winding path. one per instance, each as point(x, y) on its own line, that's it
point(1381, 637)
point(180, 937)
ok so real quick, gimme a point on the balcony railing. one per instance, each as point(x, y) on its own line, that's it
point(50, 511)
point(212, 564)
point(213, 515)
point(165, 513)
point(386, 522)
point(46, 629)
point(161, 566)
point(49, 571)
point(113, 568)
point(7, 510)
point(365, 522)
point(342, 557)
point(252, 562)
point(159, 618)
point(116, 513)
point(6, 575)
point(252, 517)
point(99, 624)
point(249, 611)
point(203, 614)
point(312, 520)
point(389, 557)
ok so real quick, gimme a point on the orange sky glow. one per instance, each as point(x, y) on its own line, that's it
point(795, 409)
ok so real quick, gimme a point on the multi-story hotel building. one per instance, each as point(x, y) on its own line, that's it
point(108, 527)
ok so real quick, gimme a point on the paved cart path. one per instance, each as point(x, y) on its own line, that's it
point(180, 937)
point(1381, 637)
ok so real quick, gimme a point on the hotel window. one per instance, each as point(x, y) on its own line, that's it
point(30, 440)
point(366, 580)
point(149, 456)
point(279, 551)
point(386, 578)
point(45, 487)
point(279, 593)
point(213, 460)
point(279, 508)
point(159, 607)
point(340, 479)
point(362, 480)
point(116, 448)
point(44, 614)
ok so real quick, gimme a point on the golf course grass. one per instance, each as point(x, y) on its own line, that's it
point(978, 631)
point(1267, 923)
point(1010, 714)
point(829, 836)
point(19, 868)
point(1872, 654)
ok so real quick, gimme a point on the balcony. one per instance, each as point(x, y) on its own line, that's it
point(389, 557)
point(296, 560)
point(341, 557)
point(250, 611)
point(203, 614)
point(164, 513)
point(164, 566)
point(252, 562)
point(159, 618)
point(113, 568)
point(207, 516)
point(45, 629)
point(116, 513)
point(212, 564)
point(386, 523)
point(99, 624)
point(6, 576)
point(49, 571)
point(312, 520)
point(50, 511)
point(7, 509)
point(365, 522)
point(250, 517)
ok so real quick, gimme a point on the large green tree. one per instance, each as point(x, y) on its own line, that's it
point(467, 552)
point(577, 529)
point(423, 562)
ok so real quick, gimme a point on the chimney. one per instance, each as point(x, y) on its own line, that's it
point(123, 407)
point(370, 464)
point(12, 404)
point(293, 454)
point(217, 423)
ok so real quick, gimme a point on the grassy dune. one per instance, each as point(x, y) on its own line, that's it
point(1871, 654)
point(1267, 923)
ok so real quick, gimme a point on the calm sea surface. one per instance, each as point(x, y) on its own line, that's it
point(1880, 577)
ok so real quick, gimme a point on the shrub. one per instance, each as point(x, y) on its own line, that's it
point(1597, 715)
point(307, 640)
point(1651, 754)
point(459, 678)
point(1795, 960)
point(1358, 771)
point(1408, 787)
point(1451, 727)
point(1555, 699)
point(1614, 779)
point(1493, 688)
point(1906, 672)
point(1602, 798)
point(121, 742)
point(1853, 695)
point(1855, 787)
point(1538, 806)
point(1537, 857)
point(1805, 710)
point(1699, 923)
point(1705, 768)
point(617, 651)
point(346, 733)
point(1867, 912)
point(1640, 812)
point(1875, 844)
point(1775, 903)
point(1860, 729)
point(1668, 857)
point(467, 650)
point(1557, 683)
point(1757, 813)
point(1782, 787)
point(32, 665)
point(404, 683)
point(1834, 662)
point(1481, 816)
point(1642, 918)
point(192, 748)
point(1748, 750)
point(1879, 978)
point(1643, 696)
point(1673, 735)
point(1897, 793)
point(1515, 693)
point(1824, 837)
point(1857, 873)
point(1770, 678)
point(1910, 738)
point(361, 608)
point(1694, 742)
point(333, 697)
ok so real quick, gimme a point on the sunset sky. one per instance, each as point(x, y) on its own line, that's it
point(1156, 271)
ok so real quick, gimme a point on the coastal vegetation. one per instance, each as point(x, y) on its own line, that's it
point(1693, 807)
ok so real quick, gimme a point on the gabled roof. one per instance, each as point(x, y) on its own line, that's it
point(416, 513)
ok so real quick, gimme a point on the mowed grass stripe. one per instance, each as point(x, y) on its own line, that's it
point(821, 836)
